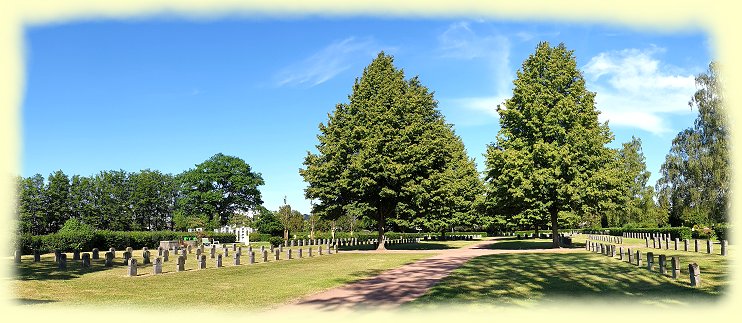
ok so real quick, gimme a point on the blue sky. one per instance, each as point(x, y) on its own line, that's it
point(164, 93)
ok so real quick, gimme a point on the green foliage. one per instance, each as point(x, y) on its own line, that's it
point(291, 220)
point(276, 241)
point(722, 231)
point(694, 184)
point(266, 222)
point(549, 160)
point(386, 156)
point(218, 188)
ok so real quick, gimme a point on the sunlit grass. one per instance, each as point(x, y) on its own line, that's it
point(253, 287)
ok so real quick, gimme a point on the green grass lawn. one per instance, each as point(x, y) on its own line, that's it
point(513, 244)
point(525, 280)
point(253, 287)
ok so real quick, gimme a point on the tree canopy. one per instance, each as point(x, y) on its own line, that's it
point(382, 154)
point(694, 186)
point(549, 158)
point(219, 187)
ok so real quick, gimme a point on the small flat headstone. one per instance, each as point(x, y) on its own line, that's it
point(85, 260)
point(157, 266)
point(181, 263)
point(62, 263)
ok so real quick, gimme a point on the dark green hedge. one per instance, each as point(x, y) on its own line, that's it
point(722, 231)
point(104, 239)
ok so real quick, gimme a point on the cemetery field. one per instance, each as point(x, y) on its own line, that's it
point(252, 287)
point(528, 279)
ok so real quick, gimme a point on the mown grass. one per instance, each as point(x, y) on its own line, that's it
point(526, 280)
point(252, 287)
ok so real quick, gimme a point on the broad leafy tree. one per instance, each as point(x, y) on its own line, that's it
point(378, 154)
point(56, 201)
point(219, 187)
point(694, 186)
point(31, 207)
point(549, 158)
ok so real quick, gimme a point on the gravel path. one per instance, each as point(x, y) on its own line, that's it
point(400, 285)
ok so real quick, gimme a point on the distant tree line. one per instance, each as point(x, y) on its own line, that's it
point(149, 200)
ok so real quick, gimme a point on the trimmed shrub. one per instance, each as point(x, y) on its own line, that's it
point(275, 241)
point(722, 231)
point(675, 232)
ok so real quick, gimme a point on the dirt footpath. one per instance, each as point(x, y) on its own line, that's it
point(400, 285)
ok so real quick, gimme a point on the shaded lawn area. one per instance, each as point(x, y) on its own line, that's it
point(422, 245)
point(522, 244)
point(525, 280)
point(253, 287)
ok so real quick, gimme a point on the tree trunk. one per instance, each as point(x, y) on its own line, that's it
point(554, 229)
point(285, 234)
point(380, 227)
point(535, 230)
point(443, 235)
point(333, 230)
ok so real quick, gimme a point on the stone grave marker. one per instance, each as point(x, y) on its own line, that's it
point(300, 256)
point(662, 261)
point(723, 247)
point(213, 251)
point(277, 254)
point(112, 251)
point(75, 254)
point(234, 246)
point(86, 260)
point(226, 252)
point(685, 244)
point(695, 275)
point(130, 250)
point(159, 251)
point(157, 266)
point(165, 255)
point(675, 261)
point(198, 253)
point(236, 258)
point(132, 267)
point(319, 251)
point(189, 248)
point(650, 261)
point(127, 256)
point(109, 259)
point(37, 255)
point(145, 257)
point(709, 246)
point(218, 261)
point(17, 256)
point(620, 253)
point(95, 253)
point(288, 253)
point(695, 241)
point(181, 263)
point(638, 258)
point(265, 255)
point(62, 263)
point(202, 262)
point(309, 251)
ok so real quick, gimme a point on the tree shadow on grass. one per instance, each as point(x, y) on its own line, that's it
point(404, 246)
point(47, 269)
point(525, 279)
point(28, 301)
point(523, 245)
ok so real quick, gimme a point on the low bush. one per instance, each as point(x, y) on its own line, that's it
point(675, 232)
point(69, 240)
point(722, 231)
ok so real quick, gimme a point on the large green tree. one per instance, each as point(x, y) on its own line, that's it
point(56, 201)
point(379, 154)
point(219, 187)
point(549, 158)
point(152, 198)
point(31, 208)
point(694, 186)
point(291, 220)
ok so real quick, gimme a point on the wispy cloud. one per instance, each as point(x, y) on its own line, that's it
point(636, 90)
point(463, 41)
point(327, 62)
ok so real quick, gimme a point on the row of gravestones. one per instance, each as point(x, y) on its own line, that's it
point(453, 237)
point(344, 242)
point(657, 244)
point(606, 238)
point(201, 258)
point(642, 235)
point(694, 272)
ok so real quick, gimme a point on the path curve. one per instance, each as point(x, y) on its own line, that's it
point(403, 284)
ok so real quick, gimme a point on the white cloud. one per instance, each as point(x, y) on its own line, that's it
point(461, 41)
point(326, 63)
point(634, 89)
